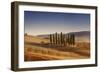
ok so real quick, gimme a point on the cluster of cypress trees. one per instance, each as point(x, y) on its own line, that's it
point(62, 39)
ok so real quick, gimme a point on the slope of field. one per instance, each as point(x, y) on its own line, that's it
point(35, 39)
point(81, 36)
point(37, 50)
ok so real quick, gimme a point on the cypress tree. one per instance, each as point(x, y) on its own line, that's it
point(56, 38)
point(66, 40)
point(61, 37)
point(73, 39)
point(51, 39)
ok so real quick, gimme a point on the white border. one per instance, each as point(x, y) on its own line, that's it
point(23, 64)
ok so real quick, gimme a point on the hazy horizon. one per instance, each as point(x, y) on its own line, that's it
point(55, 32)
point(37, 23)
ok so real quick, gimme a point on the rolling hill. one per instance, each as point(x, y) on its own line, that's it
point(81, 36)
point(37, 48)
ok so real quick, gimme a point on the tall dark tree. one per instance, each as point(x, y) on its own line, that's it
point(51, 41)
point(56, 40)
point(70, 39)
point(61, 36)
point(53, 38)
point(66, 39)
point(73, 39)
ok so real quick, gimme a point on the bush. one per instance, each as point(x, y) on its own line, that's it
point(42, 42)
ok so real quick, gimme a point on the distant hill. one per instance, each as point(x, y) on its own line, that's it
point(46, 36)
point(81, 36)
point(80, 33)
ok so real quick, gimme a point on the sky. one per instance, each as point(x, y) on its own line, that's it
point(38, 23)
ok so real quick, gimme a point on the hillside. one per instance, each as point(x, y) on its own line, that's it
point(81, 36)
point(38, 48)
point(35, 39)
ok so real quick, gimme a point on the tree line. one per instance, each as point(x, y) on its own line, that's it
point(62, 39)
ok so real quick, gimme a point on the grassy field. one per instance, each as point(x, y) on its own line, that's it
point(38, 49)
